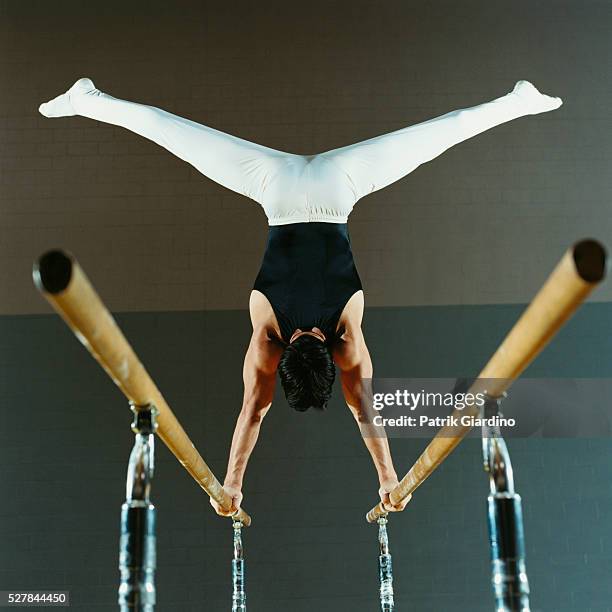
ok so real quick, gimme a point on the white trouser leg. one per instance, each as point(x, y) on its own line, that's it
point(294, 188)
point(375, 163)
point(239, 165)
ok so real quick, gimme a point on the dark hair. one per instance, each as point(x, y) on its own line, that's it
point(307, 373)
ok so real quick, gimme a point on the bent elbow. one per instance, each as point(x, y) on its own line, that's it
point(256, 418)
point(359, 414)
point(255, 415)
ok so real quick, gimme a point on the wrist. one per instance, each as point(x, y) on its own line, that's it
point(233, 483)
point(387, 476)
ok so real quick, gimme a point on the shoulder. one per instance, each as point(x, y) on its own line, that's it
point(259, 307)
point(263, 318)
point(265, 350)
point(354, 307)
point(350, 349)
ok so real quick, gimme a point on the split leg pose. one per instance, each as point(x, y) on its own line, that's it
point(307, 302)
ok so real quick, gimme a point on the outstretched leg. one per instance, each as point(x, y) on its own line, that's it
point(375, 163)
point(239, 165)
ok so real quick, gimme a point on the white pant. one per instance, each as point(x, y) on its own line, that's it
point(300, 188)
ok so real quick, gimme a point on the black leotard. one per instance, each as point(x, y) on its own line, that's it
point(308, 275)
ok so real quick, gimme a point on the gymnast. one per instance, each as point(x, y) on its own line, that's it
point(307, 302)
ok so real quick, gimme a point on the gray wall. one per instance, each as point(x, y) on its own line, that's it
point(65, 441)
point(446, 256)
point(482, 224)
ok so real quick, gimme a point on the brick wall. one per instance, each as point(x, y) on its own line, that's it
point(482, 224)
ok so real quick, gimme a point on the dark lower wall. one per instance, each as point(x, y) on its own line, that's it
point(65, 439)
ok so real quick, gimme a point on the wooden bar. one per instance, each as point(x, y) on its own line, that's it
point(581, 268)
point(63, 283)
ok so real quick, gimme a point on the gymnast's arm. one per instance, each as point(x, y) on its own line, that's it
point(259, 375)
point(353, 360)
